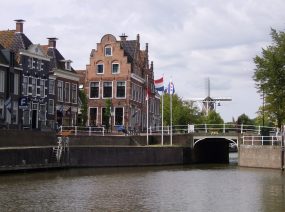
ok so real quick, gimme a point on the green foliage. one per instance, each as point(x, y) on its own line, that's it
point(269, 77)
point(84, 108)
point(213, 118)
point(107, 114)
point(183, 112)
point(245, 120)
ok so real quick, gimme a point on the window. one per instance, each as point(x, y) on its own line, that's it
point(60, 91)
point(93, 116)
point(108, 51)
point(107, 89)
point(26, 116)
point(39, 65)
point(115, 68)
point(67, 65)
point(100, 68)
point(16, 84)
point(1, 108)
point(25, 86)
point(51, 86)
point(94, 90)
point(2, 81)
point(42, 88)
point(12, 83)
point(74, 93)
point(34, 86)
point(121, 89)
point(51, 106)
point(67, 92)
point(15, 112)
point(42, 114)
point(119, 114)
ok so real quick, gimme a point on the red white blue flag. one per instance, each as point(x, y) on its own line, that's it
point(159, 86)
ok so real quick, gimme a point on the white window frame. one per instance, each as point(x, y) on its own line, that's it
point(34, 86)
point(101, 64)
point(67, 92)
point(74, 96)
point(122, 117)
point(53, 87)
point(103, 90)
point(2, 81)
point(117, 90)
point(118, 72)
point(98, 90)
point(97, 114)
point(25, 85)
point(16, 84)
point(105, 52)
point(60, 91)
point(51, 111)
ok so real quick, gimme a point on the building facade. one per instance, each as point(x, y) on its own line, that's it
point(119, 75)
point(63, 83)
point(27, 80)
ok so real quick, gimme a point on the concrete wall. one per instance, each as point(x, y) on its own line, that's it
point(260, 156)
point(20, 138)
point(127, 156)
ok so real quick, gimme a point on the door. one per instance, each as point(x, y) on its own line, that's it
point(34, 119)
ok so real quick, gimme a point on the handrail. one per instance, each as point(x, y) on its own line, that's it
point(78, 130)
point(262, 140)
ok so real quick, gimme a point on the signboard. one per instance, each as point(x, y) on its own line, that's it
point(23, 103)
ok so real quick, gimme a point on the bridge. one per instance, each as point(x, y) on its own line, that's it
point(209, 142)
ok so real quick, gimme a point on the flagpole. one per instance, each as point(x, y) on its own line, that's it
point(147, 110)
point(162, 118)
point(170, 118)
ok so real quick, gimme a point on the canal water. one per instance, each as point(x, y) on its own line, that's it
point(206, 188)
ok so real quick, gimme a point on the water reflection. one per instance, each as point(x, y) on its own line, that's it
point(176, 188)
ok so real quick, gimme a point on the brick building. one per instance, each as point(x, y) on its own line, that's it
point(120, 71)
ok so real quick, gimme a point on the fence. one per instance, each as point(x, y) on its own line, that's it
point(262, 140)
point(215, 129)
point(77, 130)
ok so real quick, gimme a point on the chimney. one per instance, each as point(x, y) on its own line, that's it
point(138, 37)
point(19, 25)
point(123, 37)
point(52, 42)
point(146, 47)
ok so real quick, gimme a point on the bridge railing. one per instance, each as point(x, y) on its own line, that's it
point(215, 129)
point(262, 140)
point(79, 130)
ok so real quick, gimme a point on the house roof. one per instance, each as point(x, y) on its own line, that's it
point(130, 49)
point(2, 57)
point(14, 41)
point(57, 60)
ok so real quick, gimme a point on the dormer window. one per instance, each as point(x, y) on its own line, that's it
point(108, 51)
point(68, 65)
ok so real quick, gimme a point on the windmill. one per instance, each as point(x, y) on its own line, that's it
point(210, 103)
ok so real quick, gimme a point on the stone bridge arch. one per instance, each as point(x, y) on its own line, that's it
point(212, 149)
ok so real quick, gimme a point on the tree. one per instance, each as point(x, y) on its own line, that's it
point(245, 120)
point(84, 108)
point(107, 114)
point(213, 118)
point(183, 112)
point(269, 77)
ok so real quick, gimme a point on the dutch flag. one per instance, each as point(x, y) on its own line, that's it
point(159, 86)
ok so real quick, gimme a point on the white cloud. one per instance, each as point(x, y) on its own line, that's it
point(188, 40)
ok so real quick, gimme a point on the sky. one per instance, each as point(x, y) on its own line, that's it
point(189, 40)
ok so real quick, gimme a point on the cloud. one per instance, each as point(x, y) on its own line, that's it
point(188, 40)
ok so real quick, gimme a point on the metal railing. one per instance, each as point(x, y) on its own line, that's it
point(78, 130)
point(262, 140)
point(214, 129)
